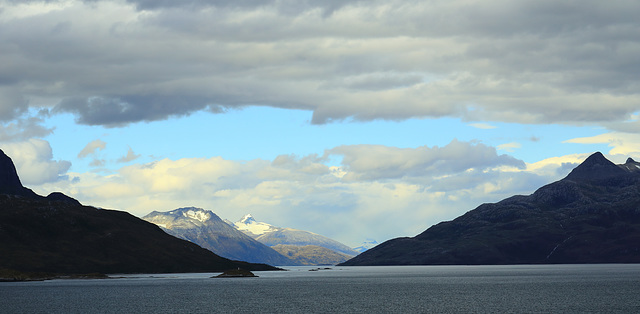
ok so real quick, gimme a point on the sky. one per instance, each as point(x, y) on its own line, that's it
point(352, 119)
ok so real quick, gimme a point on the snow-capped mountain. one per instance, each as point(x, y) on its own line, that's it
point(367, 244)
point(206, 229)
point(253, 228)
point(271, 235)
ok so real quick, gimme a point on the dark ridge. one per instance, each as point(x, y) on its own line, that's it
point(591, 216)
point(57, 196)
point(9, 181)
point(8, 174)
point(595, 168)
point(58, 235)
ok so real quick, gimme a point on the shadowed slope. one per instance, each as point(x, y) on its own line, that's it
point(591, 216)
point(57, 234)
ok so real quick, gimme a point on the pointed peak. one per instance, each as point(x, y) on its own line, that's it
point(9, 180)
point(597, 158)
point(631, 165)
point(247, 219)
point(595, 167)
point(8, 174)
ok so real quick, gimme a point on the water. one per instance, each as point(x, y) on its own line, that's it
point(387, 289)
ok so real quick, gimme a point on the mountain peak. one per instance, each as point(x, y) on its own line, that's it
point(193, 213)
point(247, 219)
point(595, 167)
point(8, 175)
point(596, 158)
point(9, 180)
point(197, 214)
point(252, 227)
point(631, 165)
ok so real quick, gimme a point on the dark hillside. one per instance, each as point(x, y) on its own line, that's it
point(591, 216)
point(56, 234)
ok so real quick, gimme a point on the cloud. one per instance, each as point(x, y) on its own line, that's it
point(509, 147)
point(130, 156)
point(374, 186)
point(12, 102)
point(34, 162)
point(483, 126)
point(375, 162)
point(622, 144)
point(97, 162)
point(92, 148)
point(630, 125)
point(24, 128)
point(556, 168)
point(120, 110)
point(287, 6)
point(113, 63)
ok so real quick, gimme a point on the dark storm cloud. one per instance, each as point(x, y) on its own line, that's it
point(127, 109)
point(287, 6)
point(114, 63)
point(12, 103)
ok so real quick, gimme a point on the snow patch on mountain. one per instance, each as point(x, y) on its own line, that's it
point(272, 235)
point(200, 215)
point(254, 228)
point(161, 225)
point(247, 219)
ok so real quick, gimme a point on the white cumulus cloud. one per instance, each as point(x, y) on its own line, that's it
point(34, 162)
point(400, 191)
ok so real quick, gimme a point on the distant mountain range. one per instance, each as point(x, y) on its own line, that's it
point(590, 216)
point(56, 234)
point(250, 240)
point(206, 229)
point(272, 235)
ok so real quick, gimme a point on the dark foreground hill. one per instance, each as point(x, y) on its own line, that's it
point(591, 216)
point(57, 234)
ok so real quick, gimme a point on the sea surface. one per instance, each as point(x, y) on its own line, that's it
point(604, 288)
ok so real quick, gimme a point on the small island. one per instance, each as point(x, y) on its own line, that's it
point(235, 273)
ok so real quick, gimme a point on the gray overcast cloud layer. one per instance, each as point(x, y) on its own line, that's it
point(114, 62)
